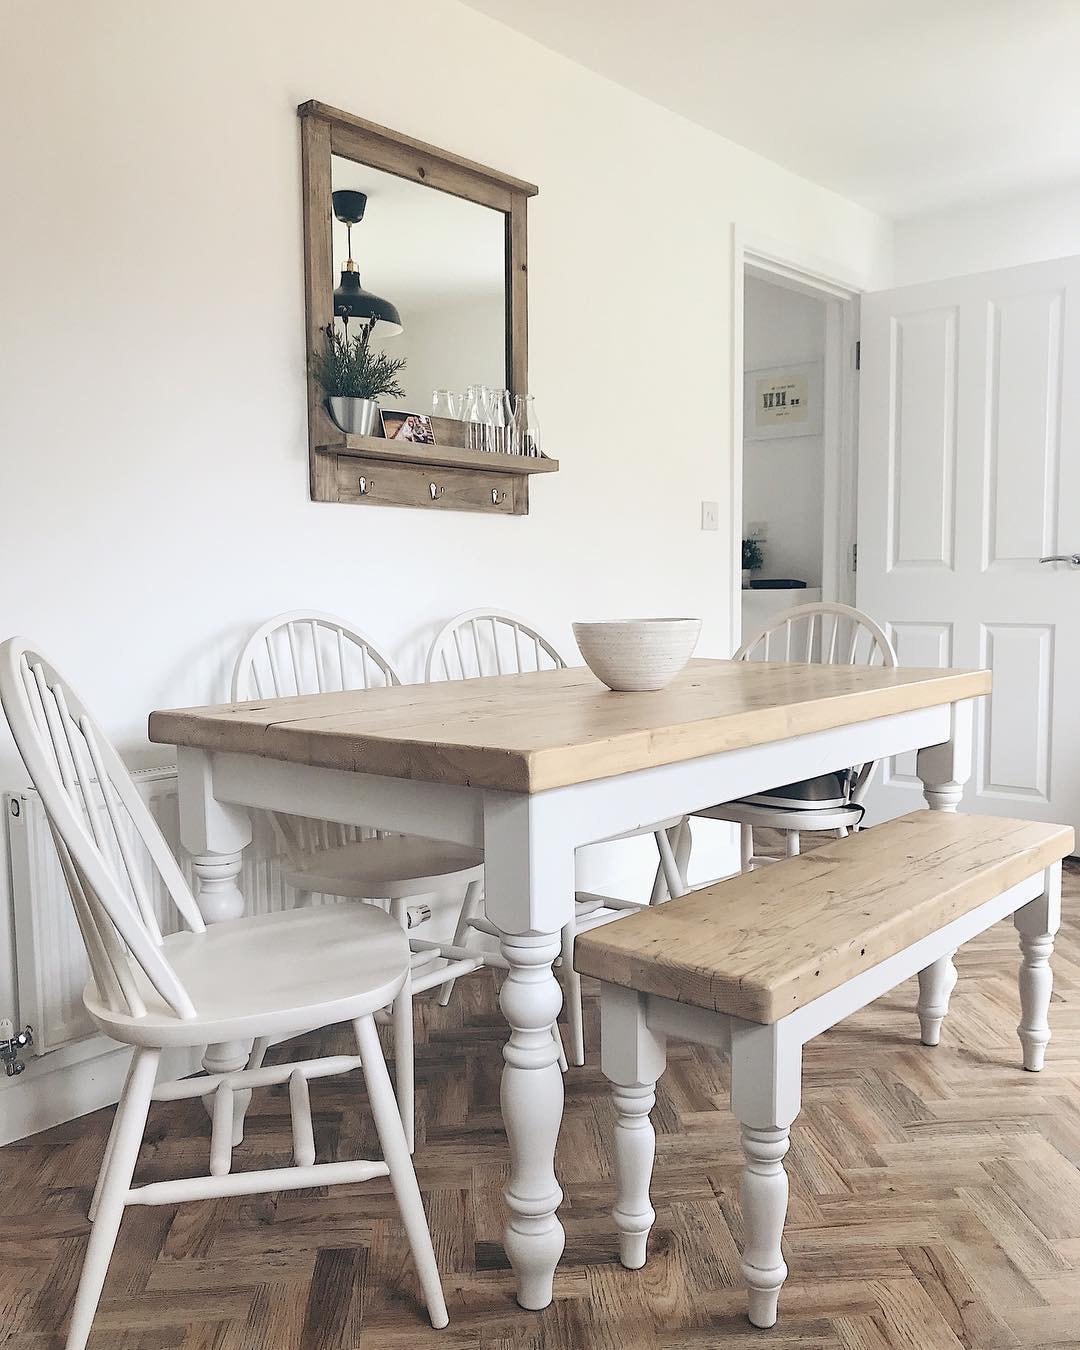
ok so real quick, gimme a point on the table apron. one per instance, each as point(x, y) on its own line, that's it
point(587, 812)
point(582, 813)
point(438, 810)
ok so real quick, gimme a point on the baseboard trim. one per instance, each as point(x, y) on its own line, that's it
point(60, 1087)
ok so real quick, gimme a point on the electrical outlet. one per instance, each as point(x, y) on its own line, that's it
point(710, 515)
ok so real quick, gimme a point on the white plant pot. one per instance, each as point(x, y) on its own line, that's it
point(746, 576)
point(356, 416)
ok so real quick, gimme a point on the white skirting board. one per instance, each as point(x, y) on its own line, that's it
point(71, 1082)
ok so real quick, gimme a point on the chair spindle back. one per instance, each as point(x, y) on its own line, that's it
point(826, 634)
point(308, 652)
point(103, 831)
point(484, 642)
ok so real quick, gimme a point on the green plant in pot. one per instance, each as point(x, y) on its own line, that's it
point(353, 375)
point(752, 560)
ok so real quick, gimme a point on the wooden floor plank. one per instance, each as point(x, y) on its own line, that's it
point(935, 1202)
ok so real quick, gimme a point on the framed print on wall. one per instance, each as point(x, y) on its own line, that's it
point(782, 401)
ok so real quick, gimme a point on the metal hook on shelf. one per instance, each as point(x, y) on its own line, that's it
point(497, 495)
point(436, 491)
point(365, 485)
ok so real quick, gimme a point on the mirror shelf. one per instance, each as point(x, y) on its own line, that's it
point(340, 150)
point(448, 456)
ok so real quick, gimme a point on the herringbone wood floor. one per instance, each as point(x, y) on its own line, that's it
point(935, 1202)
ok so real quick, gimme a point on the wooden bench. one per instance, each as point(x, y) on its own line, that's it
point(759, 964)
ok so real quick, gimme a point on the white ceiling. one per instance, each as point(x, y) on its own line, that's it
point(907, 106)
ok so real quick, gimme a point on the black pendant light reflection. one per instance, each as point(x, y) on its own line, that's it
point(351, 301)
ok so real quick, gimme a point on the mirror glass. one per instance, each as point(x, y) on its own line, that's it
point(441, 262)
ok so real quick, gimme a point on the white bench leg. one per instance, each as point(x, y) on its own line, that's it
point(633, 1058)
point(766, 1071)
point(936, 983)
point(1037, 923)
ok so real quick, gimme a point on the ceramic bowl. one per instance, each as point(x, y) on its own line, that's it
point(631, 655)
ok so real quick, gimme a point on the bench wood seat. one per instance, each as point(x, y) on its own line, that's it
point(760, 945)
point(758, 965)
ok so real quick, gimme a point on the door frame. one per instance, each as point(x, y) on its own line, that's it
point(785, 264)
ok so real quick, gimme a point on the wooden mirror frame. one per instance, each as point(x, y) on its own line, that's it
point(348, 468)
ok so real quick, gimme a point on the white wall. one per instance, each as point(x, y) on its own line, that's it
point(784, 479)
point(153, 480)
point(1005, 233)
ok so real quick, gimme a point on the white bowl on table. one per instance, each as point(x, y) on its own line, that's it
point(633, 655)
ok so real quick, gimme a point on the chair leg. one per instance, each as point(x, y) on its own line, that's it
point(1036, 924)
point(91, 1213)
point(674, 882)
point(936, 984)
point(402, 1177)
point(462, 932)
point(684, 845)
point(556, 1036)
point(116, 1179)
point(746, 846)
point(571, 982)
point(791, 843)
point(404, 1054)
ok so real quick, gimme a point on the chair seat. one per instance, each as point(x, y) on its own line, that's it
point(267, 975)
point(387, 869)
point(776, 818)
point(809, 794)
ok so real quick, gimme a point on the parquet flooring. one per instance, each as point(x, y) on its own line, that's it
point(935, 1202)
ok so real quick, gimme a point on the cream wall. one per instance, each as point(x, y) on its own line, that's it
point(1032, 227)
point(153, 498)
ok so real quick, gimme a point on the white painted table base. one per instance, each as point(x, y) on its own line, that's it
point(766, 1073)
point(529, 842)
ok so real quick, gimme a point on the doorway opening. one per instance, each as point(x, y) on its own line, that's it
point(795, 420)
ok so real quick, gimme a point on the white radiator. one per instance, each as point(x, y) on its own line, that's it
point(50, 963)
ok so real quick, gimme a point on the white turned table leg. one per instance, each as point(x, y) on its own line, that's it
point(936, 983)
point(943, 770)
point(215, 834)
point(532, 1104)
point(1036, 924)
point(763, 1195)
point(633, 1057)
point(766, 1074)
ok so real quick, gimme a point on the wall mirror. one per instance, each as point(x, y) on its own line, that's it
point(440, 261)
point(423, 253)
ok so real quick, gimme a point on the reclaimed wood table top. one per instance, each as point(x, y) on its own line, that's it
point(549, 729)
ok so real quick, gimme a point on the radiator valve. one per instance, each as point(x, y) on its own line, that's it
point(11, 1044)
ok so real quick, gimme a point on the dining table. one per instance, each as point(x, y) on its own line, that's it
point(530, 768)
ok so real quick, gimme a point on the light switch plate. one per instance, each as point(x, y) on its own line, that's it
point(710, 515)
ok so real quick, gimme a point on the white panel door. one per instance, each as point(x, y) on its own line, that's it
point(969, 474)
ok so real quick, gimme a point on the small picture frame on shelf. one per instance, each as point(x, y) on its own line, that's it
point(406, 426)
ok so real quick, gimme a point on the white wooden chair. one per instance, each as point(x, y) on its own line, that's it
point(308, 652)
point(831, 634)
point(485, 642)
point(164, 980)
